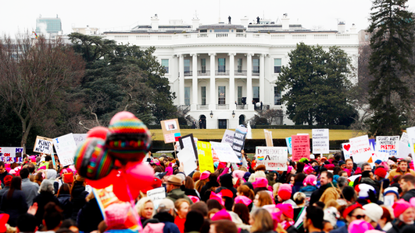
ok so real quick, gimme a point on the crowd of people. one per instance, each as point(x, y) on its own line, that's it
point(320, 194)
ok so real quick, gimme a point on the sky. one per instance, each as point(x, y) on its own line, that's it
point(20, 15)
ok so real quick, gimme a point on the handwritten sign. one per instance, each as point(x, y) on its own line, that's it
point(346, 148)
point(320, 141)
point(239, 140)
point(387, 144)
point(204, 151)
point(43, 145)
point(268, 138)
point(156, 194)
point(11, 151)
point(228, 137)
point(360, 149)
point(274, 158)
point(79, 138)
point(289, 145)
point(171, 130)
point(65, 148)
point(224, 152)
point(300, 147)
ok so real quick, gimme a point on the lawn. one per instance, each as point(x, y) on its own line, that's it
point(208, 134)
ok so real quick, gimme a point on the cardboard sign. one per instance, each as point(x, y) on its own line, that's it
point(186, 156)
point(320, 141)
point(65, 147)
point(387, 144)
point(43, 145)
point(224, 152)
point(360, 149)
point(346, 148)
point(289, 145)
point(300, 147)
point(411, 139)
point(79, 138)
point(239, 140)
point(11, 159)
point(188, 142)
point(204, 151)
point(228, 137)
point(11, 152)
point(171, 130)
point(274, 158)
point(268, 138)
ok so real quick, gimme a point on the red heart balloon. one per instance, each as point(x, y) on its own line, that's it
point(98, 132)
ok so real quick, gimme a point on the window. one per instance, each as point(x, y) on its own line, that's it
point(239, 65)
point(165, 63)
point(186, 66)
point(239, 95)
point(187, 96)
point(203, 64)
point(277, 65)
point(277, 96)
point(255, 63)
point(221, 94)
point(221, 65)
point(203, 93)
point(255, 91)
point(221, 30)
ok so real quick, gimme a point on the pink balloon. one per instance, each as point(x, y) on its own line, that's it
point(121, 115)
point(98, 132)
point(105, 181)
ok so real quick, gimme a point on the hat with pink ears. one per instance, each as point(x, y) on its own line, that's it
point(204, 175)
point(310, 180)
point(359, 226)
point(243, 199)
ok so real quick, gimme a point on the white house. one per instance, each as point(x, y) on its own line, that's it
point(220, 70)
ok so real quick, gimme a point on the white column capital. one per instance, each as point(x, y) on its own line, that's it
point(250, 54)
point(194, 54)
point(264, 54)
point(212, 54)
point(178, 55)
point(232, 54)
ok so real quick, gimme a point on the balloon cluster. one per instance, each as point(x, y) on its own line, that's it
point(114, 156)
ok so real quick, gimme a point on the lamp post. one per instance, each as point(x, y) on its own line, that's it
point(211, 114)
point(233, 114)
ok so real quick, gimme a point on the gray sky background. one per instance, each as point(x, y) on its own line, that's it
point(20, 15)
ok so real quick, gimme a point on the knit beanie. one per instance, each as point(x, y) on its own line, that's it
point(381, 172)
point(373, 211)
point(247, 175)
point(331, 214)
point(260, 182)
point(359, 226)
point(221, 215)
point(378, 161)
point(285, 191)
point(310, 180)
point(399, 207)
point(363, 190)
point(116, 215)
point(204, 175)
point(393, 190)
point(287, 210)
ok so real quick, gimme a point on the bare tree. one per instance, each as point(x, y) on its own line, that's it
point(34, 73)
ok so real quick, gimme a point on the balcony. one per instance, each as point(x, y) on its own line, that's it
point(222, 106)
point(255, 73)
point(203, 73)
point(240, 72)
point(202, 107)
point(260, 108)
point(222, 72)
point(188, 73)
point(241, 106)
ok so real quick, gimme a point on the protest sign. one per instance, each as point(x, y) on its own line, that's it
point(171, 130)
point(289, 145)
point(11, 154)
point(43, 145)
point(346, 150)
point(320, 141)
point(204, 151)
point(411, 139)
point(228, 137)
point(300, 147)
point(239, 140)
point(186, 156)
point(249, 131)
point(224, 152)
point(65, 147)
point(360, 149)
point(274, 158)
point(387, 144)
point(268, 138)
point(156, 195)
point(79, 138)
point(189, 142)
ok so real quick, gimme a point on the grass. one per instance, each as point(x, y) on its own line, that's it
point(209, 134)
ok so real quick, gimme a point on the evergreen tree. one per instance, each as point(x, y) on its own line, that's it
point(392, 38)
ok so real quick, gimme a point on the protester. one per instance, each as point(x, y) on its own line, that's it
point(173, 189)
point(408, 186)
point(313, 220)
point(64, 197)
point(46, 195)
point(29, 188)
point(401, 170)
point(14, 201)
point(145, 209)
point(261, 221)
point(182, 208)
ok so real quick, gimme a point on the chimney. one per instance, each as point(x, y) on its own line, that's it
point(196, 23)
point(353, 29)
point(245, 21)
point(285, 21)
point(155, 22)
point(341, 27)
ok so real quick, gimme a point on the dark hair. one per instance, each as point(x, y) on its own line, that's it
point(349, 194)
point(64, 189)
point(410, 178)
point(242, 211)
point(299, 177)
point(228, 203)
point(401, 161)
point(194, 221)
point(341, 172)
point(16, 184)
point(68, 223)
point(24, 173)
point(212, 204)
point(53, 216)
point(300, 167)
point(224, 226)
point(201, 207)
point(189, 183)
point(1, 164)
point(31, 167)
point(26, 223)
point(320, 204)
point(329, 174)
point(289, 178)
point(316, 215)
point(48, 158)
point(336, 170)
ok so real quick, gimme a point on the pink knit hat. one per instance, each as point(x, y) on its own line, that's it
point(217, 197)
point(308, 169)
point(193, 198)
point(287, 210)
point(260, 182)
point(221, 215)
point(285, 191)
point(289, 168)
point(243, 199)
point(310, 180)
point(399, 207)
point(169, 171)
point(204, 175)
point(116, 215)
point(239, 174)
point(359, 226)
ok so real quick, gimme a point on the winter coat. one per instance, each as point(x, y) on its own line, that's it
point(342, 229)
point(15, 206)
point(398, 172)
point(397, 226)
point(308, 190)
point(191, 192)
point(30, 190)
point(89, 216)
point(205, 191)
point(65, 200)
point(297, 187)
point(176, 194)
point(316, 195)
point(168, 220)
point(330, 193)
point(78, 199)
point(42, 199)
point(408, 195)
point(226, 183)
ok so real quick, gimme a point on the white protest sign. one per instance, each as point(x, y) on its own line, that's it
point(387, 144)
point(65, 148)
point(187, 157)
point(225, 152)
point(405, 138)
point(228, 137)
point(346, 150)
point(411, 138)
point(156, 195)
point(11, 154)
point(189, 142)
point(43, 145)
point(320, 141)
point(289, 145)
point(79, 138)
point(268, 138)
point(404, 149)
point(274, 158)
point(360, 149)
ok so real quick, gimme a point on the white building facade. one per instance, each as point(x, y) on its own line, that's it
point(225, 73)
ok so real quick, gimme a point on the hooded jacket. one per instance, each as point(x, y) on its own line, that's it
point(408, 195)
point(176, 194)
point(226, 183)
point(398, 172)
point(168, 220)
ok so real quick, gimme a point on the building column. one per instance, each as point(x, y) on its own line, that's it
point(231, 102)
point(249, 81)
point(212, 102)
point(194, 82)
point(262, 78)
point(181, 79)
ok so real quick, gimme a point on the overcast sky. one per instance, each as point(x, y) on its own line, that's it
point(20, 15)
